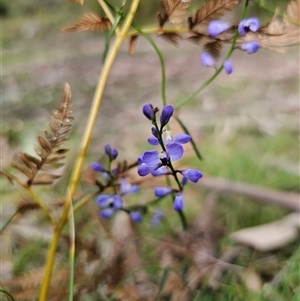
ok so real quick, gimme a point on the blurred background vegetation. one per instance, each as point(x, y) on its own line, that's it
point(246, 125)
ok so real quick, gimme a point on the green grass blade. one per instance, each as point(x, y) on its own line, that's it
point(109, 37)
point(7, 294)
point(162, 282)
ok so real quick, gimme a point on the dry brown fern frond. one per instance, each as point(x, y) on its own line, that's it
point(171, 37)
point(91, 22)
point(210, 10)
point(172, 11)
point(36, 169)
point(26, 204)
point(214, 48)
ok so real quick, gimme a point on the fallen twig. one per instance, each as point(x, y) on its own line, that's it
point(287, 200)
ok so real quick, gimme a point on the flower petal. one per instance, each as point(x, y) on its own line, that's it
point(162, 191)
point(178, 202)
point(246, 25)
point(118, 202)
point(166, 114)
point(151, 158)
point(227, 67)
point(182, 138)
point(96, 166)
point(175, 151)
point(136, 216)
point(216, 27)
point(154, 132)
point(207, 60)
point(148, 111)
point(160, 171)
point(192, 174)
point(144, 169)
point(153, 141)
point(103, 200)
point(107, 212)
point(250, 47)
point(111, 152)
point(126, 187)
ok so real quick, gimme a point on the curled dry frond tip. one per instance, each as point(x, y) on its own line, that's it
point(36, 169)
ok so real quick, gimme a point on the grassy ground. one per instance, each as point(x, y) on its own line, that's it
point(246, 126)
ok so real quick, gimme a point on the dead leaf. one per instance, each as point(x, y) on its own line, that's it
point(90, 22)
point(270, 236)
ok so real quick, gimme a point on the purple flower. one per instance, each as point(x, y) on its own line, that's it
point(160, 171)
point(144, 169)
point(117, 202)
point(107, 213)
point(135, 216)
point(127, 188)
point(192, 174)
point(105, 200)
point(153, 141)
point(179, 138)
point(96, 166)
point(227, 67)
point(154, 132)
point(162, 191)
point(207, 60)
point(250, 47)
point(216, 27)
point(148, 111)
point(166, 114)
point(152, 160)
point(246, 25)
point(178, 202)
point(157, 217)
point(111, 152)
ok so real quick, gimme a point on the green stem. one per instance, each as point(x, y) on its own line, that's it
point(13, 217)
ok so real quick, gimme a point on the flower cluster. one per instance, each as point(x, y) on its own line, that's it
point(216, 27)
point(110, 203)
point(160, 162)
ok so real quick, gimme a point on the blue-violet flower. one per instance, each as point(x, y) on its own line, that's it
point(162, 191)
point(148, 111)
point(96, 166)
point(192, 174)
point(127, 188)
point(111, 152)
point(227, 67)
point(250, 47)
point(178, 202)
point(107, 212)
point(166, 114)
point(216, 27)
point(135, 216)
point(246, 25)
point(207, 60)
